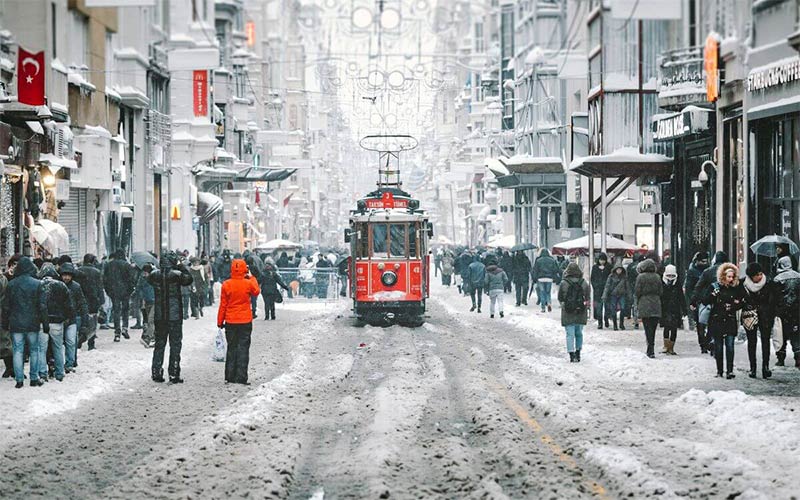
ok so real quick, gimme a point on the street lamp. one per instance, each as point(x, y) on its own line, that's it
point(703, 176)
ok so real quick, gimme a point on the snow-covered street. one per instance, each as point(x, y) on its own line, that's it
point(465, 406)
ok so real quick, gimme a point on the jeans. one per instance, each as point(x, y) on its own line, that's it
point(476, 290)
point(574, 337)
point(254, 305)
point(197, 303)
point(765, 328)
point(543, 290)
point(613, 304)
point(70, 344)
point(724, 340)
point(237, 357)
point(495, 300)
point(18, 344)
point(650, 326)
point(521, 288)
point(56, 338)
point(119, 311)
point(41, 348)
point(147, 318)
point(172, 331)
point(186, 300)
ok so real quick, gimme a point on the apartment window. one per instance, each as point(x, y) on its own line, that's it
point(479, 41)
point(78, 40)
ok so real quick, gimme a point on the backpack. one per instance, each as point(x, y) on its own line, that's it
point(575, 300)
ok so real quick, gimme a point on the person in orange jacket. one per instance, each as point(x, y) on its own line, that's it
point(236, 317)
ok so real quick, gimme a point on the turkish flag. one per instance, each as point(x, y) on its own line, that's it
point(30, 77)
point(286, 200)
point(258, 197)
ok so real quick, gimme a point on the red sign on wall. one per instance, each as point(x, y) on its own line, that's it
point(30, 77)
point(200, 92)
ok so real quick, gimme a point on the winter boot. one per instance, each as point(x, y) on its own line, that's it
point(175, 380)
point(501, 314)
point(672, 348)
point(572, 357)
point(158, 375)
point(577, 355)
point(752, 372)
point(666, 347)
point(9, 362)
point(116, 336)
point(472, 309)
point(606, 322)
point(730, 375)
point(765, 371)
point(621, 321)
point(614, 321)
point(599, 324)
point(125, 334)
point(781, 357)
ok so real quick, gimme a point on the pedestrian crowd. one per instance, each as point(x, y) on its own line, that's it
point(719, 303)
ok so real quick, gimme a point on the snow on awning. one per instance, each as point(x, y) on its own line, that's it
point(624, 162)
point(525, 164)
point(215, 172)
point(264, 174)
point(55, 163)
point(497, 167)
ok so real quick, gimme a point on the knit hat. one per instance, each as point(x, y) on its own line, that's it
point(701, 256)
point(671, 271)
point(753, 268)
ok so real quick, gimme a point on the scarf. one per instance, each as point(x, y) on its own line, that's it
point(669, 281)
point(753, 287)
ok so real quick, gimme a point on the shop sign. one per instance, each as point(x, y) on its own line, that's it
point(62, 189)
point(250, 31)
point(650, 199)
point(711, 67)
point(670, 127)
point(776, 74)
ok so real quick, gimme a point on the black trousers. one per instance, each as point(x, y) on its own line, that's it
point(765, 329)
point(172, 331)
point(476, 290)
point(237, 357)
point(521, 288)
point(650, 327)
point(671, 333)
point(791, 335)
point(269, 305)
point(119, 311)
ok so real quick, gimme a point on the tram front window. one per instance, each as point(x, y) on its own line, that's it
point(397, 244)
point(379, 240)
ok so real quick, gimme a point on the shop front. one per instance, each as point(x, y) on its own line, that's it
point(774, 128)
point(688, 198)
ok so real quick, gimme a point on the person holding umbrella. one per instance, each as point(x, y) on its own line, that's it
point(787, 282)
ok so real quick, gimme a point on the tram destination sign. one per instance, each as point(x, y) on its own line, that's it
point(386, 201)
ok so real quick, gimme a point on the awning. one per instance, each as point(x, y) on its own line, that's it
point(264, 174)
point(208, 206)
point(525, 164)
point(778, 107)
point(689, 121)
point(55, 163)
point(215, 172)
point(624, 162)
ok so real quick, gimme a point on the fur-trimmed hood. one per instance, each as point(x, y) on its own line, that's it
point(724, 268)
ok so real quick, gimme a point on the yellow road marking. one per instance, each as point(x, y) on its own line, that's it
point(596, 488)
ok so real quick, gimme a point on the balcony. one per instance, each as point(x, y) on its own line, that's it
point(680, 78)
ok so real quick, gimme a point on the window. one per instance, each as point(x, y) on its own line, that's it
point(379, 238)
point(362, 241)
point(397, 246)
point(412, 240)
point(479, 41)
point(53, 26)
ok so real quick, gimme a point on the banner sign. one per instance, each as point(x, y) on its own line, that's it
point(200, 92)
point(30, 77)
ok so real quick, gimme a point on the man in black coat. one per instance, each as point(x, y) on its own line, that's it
point(787, 282)
point(545, 272)
point(74, 323)
point(223, 270)
point(56, 300)
point(90, 278)
point(600, 272)
point(696, 268)
point(256, 267)
point(520, 275)
point(23, 316)
point(168, 315)
point(119, 281)
point(701, 290)
point(507, 265)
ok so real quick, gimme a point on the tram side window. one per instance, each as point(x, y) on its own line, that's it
point(412, 240)
point(362, 243)
point(379, 241)
point(398, 240)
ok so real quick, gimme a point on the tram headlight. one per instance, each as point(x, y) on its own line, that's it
point(389, 278)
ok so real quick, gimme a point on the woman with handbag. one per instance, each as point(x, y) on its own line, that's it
point(270, 281)
point(725, 297)
point(758, 315)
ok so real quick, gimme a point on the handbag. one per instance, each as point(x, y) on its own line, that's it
point(279, 298)
point(750, 319)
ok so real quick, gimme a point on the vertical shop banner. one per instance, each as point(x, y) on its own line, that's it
point(30, 77)
point(200, 92)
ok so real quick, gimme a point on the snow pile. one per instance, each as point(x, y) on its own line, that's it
point(626, 468)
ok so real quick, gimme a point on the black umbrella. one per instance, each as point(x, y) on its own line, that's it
point(522, 247)
point(139, 259)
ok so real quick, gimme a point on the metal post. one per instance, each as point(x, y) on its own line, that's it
point(603, 215)
point(591, 240)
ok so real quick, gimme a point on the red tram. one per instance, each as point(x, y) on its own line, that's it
point(389, 268)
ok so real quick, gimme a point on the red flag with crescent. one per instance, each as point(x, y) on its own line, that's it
point(30, 77)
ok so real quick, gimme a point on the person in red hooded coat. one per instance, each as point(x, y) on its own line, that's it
point(235, 315)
